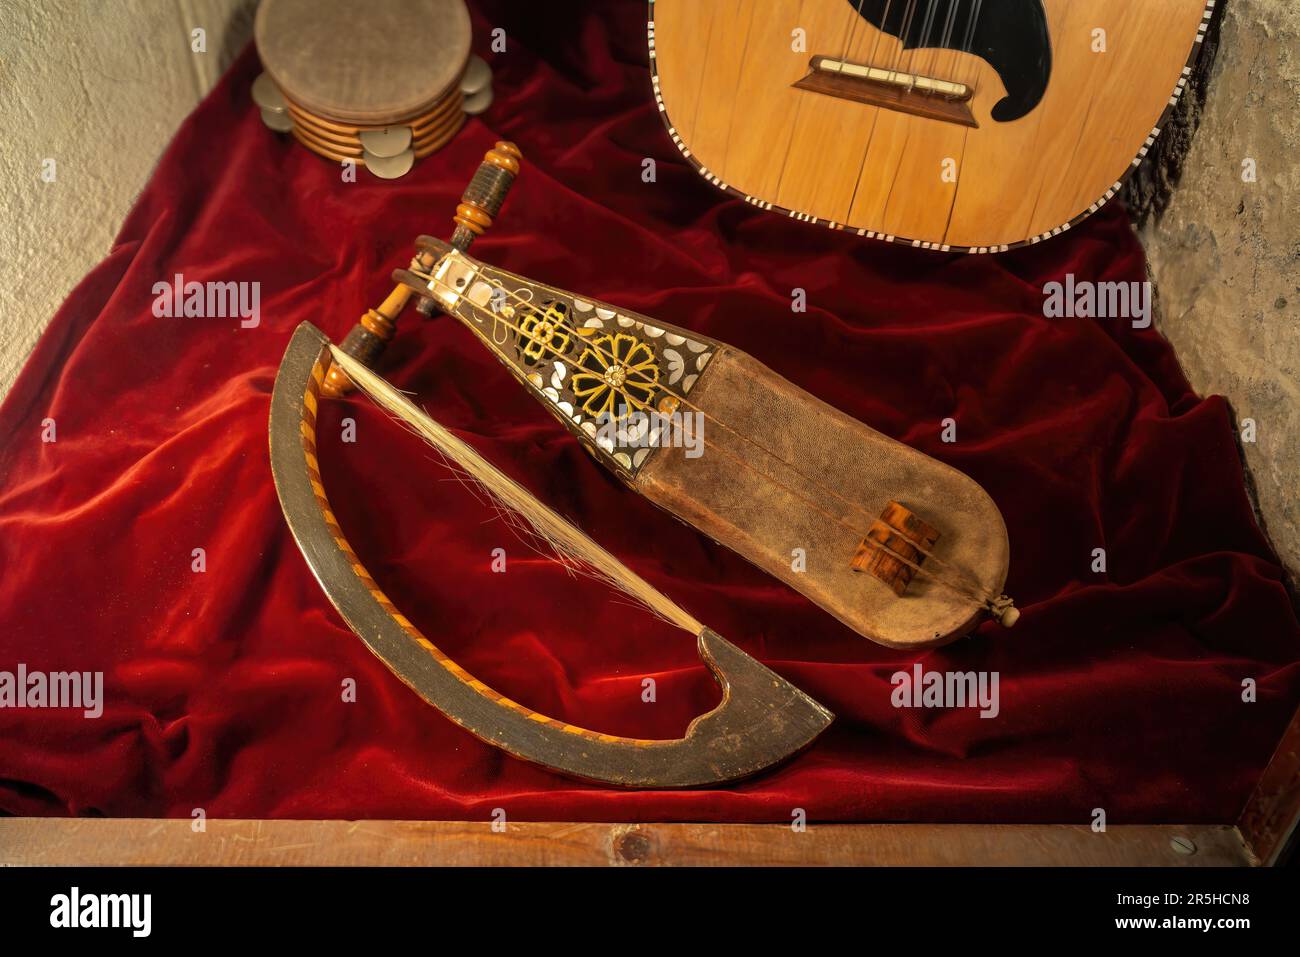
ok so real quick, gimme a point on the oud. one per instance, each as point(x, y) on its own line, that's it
point(903, 549)
point(972, 125)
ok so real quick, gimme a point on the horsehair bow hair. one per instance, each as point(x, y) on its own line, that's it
point(515, 503)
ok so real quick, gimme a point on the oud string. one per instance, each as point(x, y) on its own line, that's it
point(971, 33)
point(901, 50)
point(945, 48)
point(913, 54)
point(933, 49)
point(955, 50)
point(955, 36)
point(910, 65)
point(927, 27)
point(853, 25)
point(969, 588)
point(880, 33)
point(904, 29)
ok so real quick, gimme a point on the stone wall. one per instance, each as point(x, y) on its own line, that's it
point(1225, 253)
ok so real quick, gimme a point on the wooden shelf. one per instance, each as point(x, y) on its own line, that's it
point(146, 841)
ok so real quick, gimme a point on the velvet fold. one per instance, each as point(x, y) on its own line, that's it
point(237, 688)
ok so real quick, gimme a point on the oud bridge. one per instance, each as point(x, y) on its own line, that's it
point(897, 90)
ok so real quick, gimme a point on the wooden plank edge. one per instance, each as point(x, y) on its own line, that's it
point(175, 842)
point(1268, 821)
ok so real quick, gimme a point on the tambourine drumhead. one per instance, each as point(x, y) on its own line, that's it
point(372, 63)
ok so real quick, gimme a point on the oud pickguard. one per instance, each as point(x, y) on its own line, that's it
point(1011, 36)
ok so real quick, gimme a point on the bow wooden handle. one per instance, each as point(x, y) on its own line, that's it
point(479, 206)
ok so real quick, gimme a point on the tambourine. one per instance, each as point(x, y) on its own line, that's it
point(382, 85)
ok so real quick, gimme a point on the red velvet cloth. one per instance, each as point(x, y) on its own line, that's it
point(224, 688)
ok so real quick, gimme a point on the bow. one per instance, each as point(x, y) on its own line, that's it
point(761, 720)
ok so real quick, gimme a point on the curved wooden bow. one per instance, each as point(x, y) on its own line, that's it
point(761, 720)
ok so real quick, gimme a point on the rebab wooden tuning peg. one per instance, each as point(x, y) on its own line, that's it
point(479, 206)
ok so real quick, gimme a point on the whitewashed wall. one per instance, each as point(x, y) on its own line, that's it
point(98, 86)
